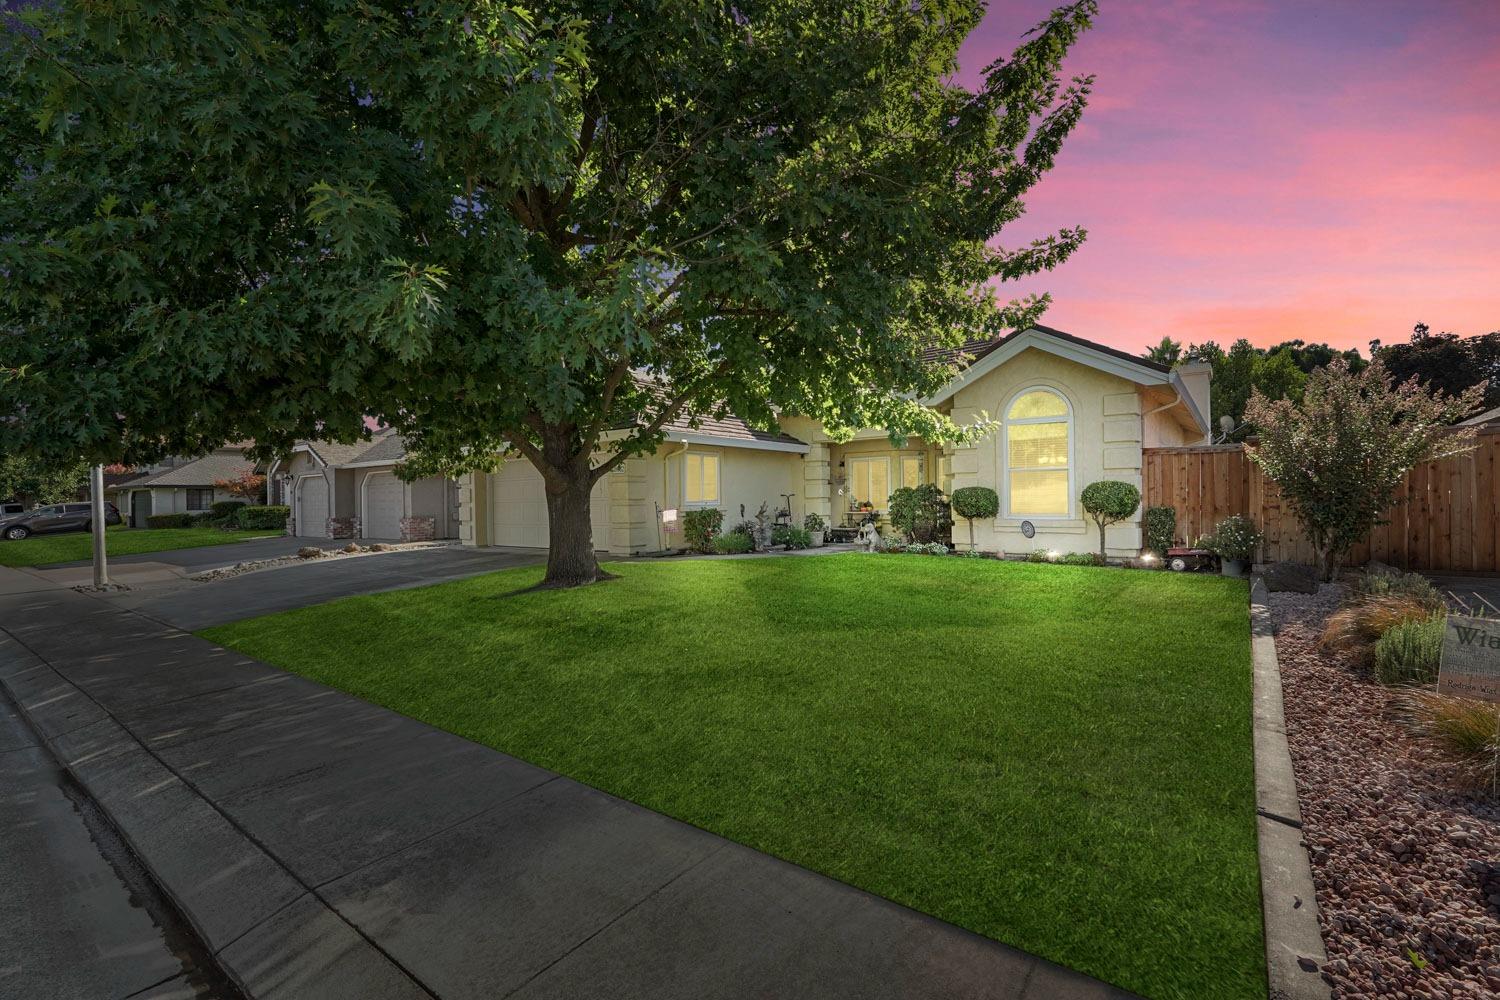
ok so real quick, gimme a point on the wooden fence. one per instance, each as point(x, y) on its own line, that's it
point(1445, 518)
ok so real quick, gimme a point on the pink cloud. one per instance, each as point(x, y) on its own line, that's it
point(1275, 170)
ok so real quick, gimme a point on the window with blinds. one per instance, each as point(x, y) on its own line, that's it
point(1038, 476)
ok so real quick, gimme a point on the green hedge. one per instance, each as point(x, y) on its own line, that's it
point(169, 521)
point(260, 517)
point(224, 509)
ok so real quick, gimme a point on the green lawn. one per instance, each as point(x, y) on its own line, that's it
point(39, 550)
point(1056, 757)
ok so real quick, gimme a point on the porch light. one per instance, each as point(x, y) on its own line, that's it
point(1052, 555)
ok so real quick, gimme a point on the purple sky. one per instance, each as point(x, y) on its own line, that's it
point(1324, 169)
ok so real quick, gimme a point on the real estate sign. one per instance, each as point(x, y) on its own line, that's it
point(1471, 658)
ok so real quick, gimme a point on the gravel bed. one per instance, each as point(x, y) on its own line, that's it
point(1407, 873)
point(311, 553)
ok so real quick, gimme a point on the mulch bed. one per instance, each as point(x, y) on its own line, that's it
point(1407, 871)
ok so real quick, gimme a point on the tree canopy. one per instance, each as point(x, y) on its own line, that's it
point(549, 228)
point(1446, 362)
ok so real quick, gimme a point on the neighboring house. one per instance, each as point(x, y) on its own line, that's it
point(351, 491)
point(177, 485)
point(1071, 411)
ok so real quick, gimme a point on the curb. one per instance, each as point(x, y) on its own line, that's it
point(1294, 941)
point(250, 914)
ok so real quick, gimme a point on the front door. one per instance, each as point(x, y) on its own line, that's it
point(140, 508)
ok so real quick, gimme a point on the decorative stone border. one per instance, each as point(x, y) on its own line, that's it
point(1294, 941)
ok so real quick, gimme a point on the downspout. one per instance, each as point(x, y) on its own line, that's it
point(1176, 401)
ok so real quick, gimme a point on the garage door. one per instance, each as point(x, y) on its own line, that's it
point(518, 507)
point(385, 505)
point(312, 507)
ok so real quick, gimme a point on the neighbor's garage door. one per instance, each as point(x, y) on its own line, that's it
point(312, 507)
point(518, 507)
point(385, 505)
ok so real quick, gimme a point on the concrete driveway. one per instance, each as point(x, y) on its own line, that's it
point(191, 606)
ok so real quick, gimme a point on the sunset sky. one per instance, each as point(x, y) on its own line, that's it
point(1324, 169)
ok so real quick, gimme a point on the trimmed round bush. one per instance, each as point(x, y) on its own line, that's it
point(1109, 501)
point(970, 502)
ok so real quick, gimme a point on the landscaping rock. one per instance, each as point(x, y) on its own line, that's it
point(1295, 577)
point(381, 547)
point(309, 552)
point(352, 548)
point(1404, 877)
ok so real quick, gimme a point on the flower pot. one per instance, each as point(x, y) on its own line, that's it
point(817, 539)
point(1232, 567)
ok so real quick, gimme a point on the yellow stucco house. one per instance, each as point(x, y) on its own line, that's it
point(1071, 412)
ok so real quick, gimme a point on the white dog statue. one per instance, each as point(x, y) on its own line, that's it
point(869, 537)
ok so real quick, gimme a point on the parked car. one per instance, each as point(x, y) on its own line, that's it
point(56, 517)
point(7, 509)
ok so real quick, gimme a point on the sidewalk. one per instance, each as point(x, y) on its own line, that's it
point(323, 846)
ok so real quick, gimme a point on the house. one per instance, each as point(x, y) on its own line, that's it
point(1071, 412)
point(1489, 418)
point(177, 485)
point(352, 491)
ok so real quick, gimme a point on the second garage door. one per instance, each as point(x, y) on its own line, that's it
point(385, 505)
point(518, 507)
point(312, 507)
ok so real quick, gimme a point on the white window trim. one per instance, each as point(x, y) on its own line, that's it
point(1005, 469)
point(718, 480)
point(884, 502)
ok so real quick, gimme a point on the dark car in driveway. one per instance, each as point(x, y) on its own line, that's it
point(54, 517)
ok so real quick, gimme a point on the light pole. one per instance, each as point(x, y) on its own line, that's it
point(96, 521)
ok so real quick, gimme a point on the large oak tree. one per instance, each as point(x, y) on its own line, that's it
point(548, 228)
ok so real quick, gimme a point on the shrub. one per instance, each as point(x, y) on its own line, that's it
point(814, 522)
point(1040, 556)
point(258, 517)
point(699, 526)
point(919, 511)
point(1356, 627)
point(1235, 537)
point(225, 509)
point(169, 520)
point(1465, 730)
point(1339, 455)
point(1109, 501)
point(1161, 529)
point(971, 502)
point(1082, 559)
point(1386, 584)
point(1409, 653)
point(792, 538)
point(733, 542)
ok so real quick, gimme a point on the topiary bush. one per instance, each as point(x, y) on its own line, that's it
point(971, 502)
point(699, 527)
point(1161, 529)
point(919, 512)
point(223, 510)
point(1109, 501)
point(256, 517)
point(1409, 653)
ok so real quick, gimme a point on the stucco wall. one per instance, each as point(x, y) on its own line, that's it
point(1106, 444)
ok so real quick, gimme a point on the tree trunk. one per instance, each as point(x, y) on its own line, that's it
point(1328, 563)
point(570, 547)
point(1102, 557)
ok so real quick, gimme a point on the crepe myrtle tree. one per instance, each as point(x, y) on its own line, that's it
point(1340, 454)
point(547, 230)
point(1107, 502)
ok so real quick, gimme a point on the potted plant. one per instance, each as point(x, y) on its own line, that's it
point(1235, 541)
point(815, 527)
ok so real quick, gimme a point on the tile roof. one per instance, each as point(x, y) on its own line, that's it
point(203, 472)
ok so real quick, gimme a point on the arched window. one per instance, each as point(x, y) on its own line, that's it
point(1038, 449)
